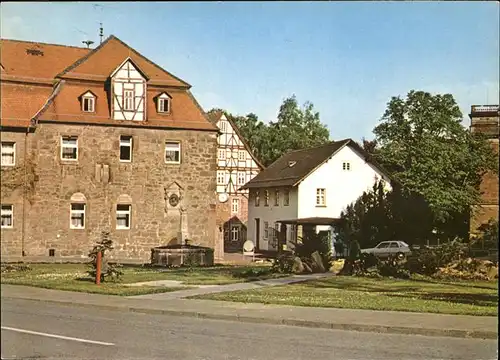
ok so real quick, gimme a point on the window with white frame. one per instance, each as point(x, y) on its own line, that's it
point(242, 155)
point(266, 198)
point(123, 216)
point(164, 104)
point(235, 232)
point(7, 216)
point(222, 154)
point(276, 230)
point(241, 178)
point(286, 197)
point(346, 166)
point(69, 148)
point(77, 216)
point(126, 148)
point(8, 153)
point(128, 100)
point(235, 206)
point(222, 125)
point(88, 103)
point(276, 197)
point(173, 152)
point(257, 198)
point(266, 230)
point(320, 197)
point(221, 177)
point(293, 233)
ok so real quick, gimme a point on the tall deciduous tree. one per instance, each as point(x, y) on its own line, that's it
point(423, 143)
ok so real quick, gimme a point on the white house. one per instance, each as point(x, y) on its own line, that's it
point(308, 187)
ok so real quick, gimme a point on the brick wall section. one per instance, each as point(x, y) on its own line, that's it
point(11, 185)
point(143, 180)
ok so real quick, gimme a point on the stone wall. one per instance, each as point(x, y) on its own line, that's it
point(102, 179)
point(12, 193)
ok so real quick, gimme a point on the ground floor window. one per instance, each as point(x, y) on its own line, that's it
point(7, 216)
point(77, 216)
point(123, 216)
point(235, 233)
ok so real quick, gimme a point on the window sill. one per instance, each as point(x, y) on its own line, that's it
point(8, 165)
point(72, 228)
point(125, 161)
point(172, 163)
point(321, 206)
point(7, 227)
point(122, 229)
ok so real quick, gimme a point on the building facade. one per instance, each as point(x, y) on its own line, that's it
point(99, 140)
point(485, 120)
point(236, 165)
point(308, 187)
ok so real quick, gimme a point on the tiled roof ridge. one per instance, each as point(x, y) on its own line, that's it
point(44, 43)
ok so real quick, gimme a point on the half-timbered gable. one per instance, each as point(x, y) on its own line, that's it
point(128, 91)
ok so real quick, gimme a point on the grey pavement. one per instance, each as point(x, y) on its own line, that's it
point(485, 327)
point(39, 330)
point(212, 289)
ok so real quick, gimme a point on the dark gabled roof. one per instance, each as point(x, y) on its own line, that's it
point(304, 161)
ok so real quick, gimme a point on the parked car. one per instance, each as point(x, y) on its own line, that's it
point(388, 248)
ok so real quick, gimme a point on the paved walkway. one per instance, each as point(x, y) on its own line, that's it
point(343, 319)
point(212, 289)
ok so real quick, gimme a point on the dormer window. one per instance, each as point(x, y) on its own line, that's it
point(88, 102)
point(163, 102)
point(128, 100)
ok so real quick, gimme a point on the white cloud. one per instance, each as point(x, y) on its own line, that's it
point(14, 28)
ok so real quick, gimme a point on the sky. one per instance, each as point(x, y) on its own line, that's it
point(347, 58)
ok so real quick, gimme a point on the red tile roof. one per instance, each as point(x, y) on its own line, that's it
point(31, 72)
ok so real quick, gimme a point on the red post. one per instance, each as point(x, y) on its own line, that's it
point(98, 268)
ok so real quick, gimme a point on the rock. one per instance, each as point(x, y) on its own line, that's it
point(317, 262)
point(307, 268)
point(492, 273)
point(298, 266)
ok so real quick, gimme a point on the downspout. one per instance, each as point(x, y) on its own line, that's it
point(23, 227)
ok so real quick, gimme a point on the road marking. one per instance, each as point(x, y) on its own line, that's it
point(57, 336)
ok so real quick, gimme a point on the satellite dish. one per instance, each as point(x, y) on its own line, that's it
point(248, 247)
point(223, 197)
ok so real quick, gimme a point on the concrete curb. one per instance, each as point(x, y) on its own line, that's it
point(456, 333)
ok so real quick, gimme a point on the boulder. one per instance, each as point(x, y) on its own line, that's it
point(307, 268)
point(317, 262)
point(298, 266)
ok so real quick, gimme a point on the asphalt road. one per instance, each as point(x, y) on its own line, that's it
point(37, 330)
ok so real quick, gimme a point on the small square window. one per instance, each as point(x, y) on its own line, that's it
point(222, 125)
point(235, 206)
point(123, 216)
point(320, 197)
point(69, 148)
point(222, 154)
point(172, 152)
point(7, 216)
point(126, 148)
point(242, 155)
point(346, 166)
point(241, 178)
point(8, 153)
point(163, 105)
point(77, 216)
point(221, 177)
point(128, 100)
point(88, 104)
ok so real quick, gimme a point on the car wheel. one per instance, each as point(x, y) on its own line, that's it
point(400, 256)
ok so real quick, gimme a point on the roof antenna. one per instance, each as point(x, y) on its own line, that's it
point(88, 43)
point(101, 34)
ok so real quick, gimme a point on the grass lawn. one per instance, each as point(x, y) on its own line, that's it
point(417, 295)
point(73, 277)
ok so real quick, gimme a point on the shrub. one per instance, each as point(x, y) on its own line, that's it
point(283, 263)
point(426, 261)
point(111, 271)
point(393, 267)
point(9, 268)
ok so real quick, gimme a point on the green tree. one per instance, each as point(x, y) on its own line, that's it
point(422, 142)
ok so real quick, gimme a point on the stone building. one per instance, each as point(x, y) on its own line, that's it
point(236, 165)
point(485, 119)
point(100, 139)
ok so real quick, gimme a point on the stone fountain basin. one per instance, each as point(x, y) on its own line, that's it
point(179, 255)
